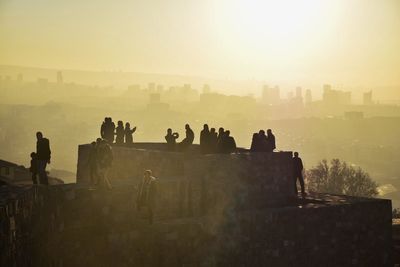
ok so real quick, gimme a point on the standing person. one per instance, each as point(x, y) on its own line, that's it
point(270, 141)
point(189, 138)
point(220, 140)
point(147, 194)
point(119, 133)
point(205, 140)
point(109, 130)
point(171, 139)
point(104, 162)
point(298, 173)
point(92, 162)
point(34, 167)
point(213, 141)
point(43, 155)
point(129, 133)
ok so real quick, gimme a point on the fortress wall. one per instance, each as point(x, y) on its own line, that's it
point(195, 184)
point(69, 225)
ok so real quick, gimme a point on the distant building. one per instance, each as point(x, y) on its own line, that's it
point(353, 115)
point(299, 92)
point(155, 98)
point(335, 97)
point(308, 98)
point(367, 98)
point(206, 89)
point(151, 87)
point(59, 77)
point(271, 96)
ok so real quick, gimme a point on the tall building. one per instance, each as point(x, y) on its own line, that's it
point(299, 92)
point(335, 97)
point(308, 97)
point(271, 96)
point(59, 77)
point(367, 98)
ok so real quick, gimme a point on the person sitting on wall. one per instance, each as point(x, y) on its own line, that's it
point(171, 139)
point(255, 143)
point(119, 133)
point(298, 173)
point(34, 167)
point(213, 141)
point(129, 133)
point(43, 154)
point(104, 163)
point(262, 141)
point(220, 140)
point(147, 194)
point(229, 143)
point(270, 141)
point(205, 140)
point(185, 144)
point(107, 130)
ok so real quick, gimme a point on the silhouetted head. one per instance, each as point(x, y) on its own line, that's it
point(147, 173)
point(169, 131)
point(127, 125)
point(33, 155)
point(93, 143)
point(105, 119)
point(39, 135)
point(296, 154)
point(212, 130)
point(187, 126)
point(120, 124)
point(227, 133)
point(269, 132)
point(110, 119)
point(255, 135)
point(98, 140)
point(221, 130)
point(261, 132)
point(205, 127)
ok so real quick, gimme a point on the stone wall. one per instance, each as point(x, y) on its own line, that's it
point(71, 225)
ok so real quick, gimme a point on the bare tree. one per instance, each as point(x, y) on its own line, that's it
point(337, 177)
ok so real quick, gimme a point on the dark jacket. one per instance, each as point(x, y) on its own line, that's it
point(43, 149)
point(297, 165)
point(147, 193)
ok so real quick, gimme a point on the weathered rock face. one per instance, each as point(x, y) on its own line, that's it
point(212, 210)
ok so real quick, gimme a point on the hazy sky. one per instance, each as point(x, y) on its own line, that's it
point(352, 42)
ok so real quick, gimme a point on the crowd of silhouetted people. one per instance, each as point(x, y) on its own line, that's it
point(121, 135)
point(262, 142)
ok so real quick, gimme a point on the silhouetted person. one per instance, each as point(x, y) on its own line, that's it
point(255, 143)
point(93, 163)
point(119, 133)
point(213, 140)
point(104, 161)
point(107, 130)
point(43, 155)
point(298, 173)
point(129, 133)
point(262, 143)
point(270, 141)
point(188, 138)
point(220, 141)
point(103, 128)
point(34, 167)
point(147, 194)
point(171, 139)
point(205, 140)
point(229, 144)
